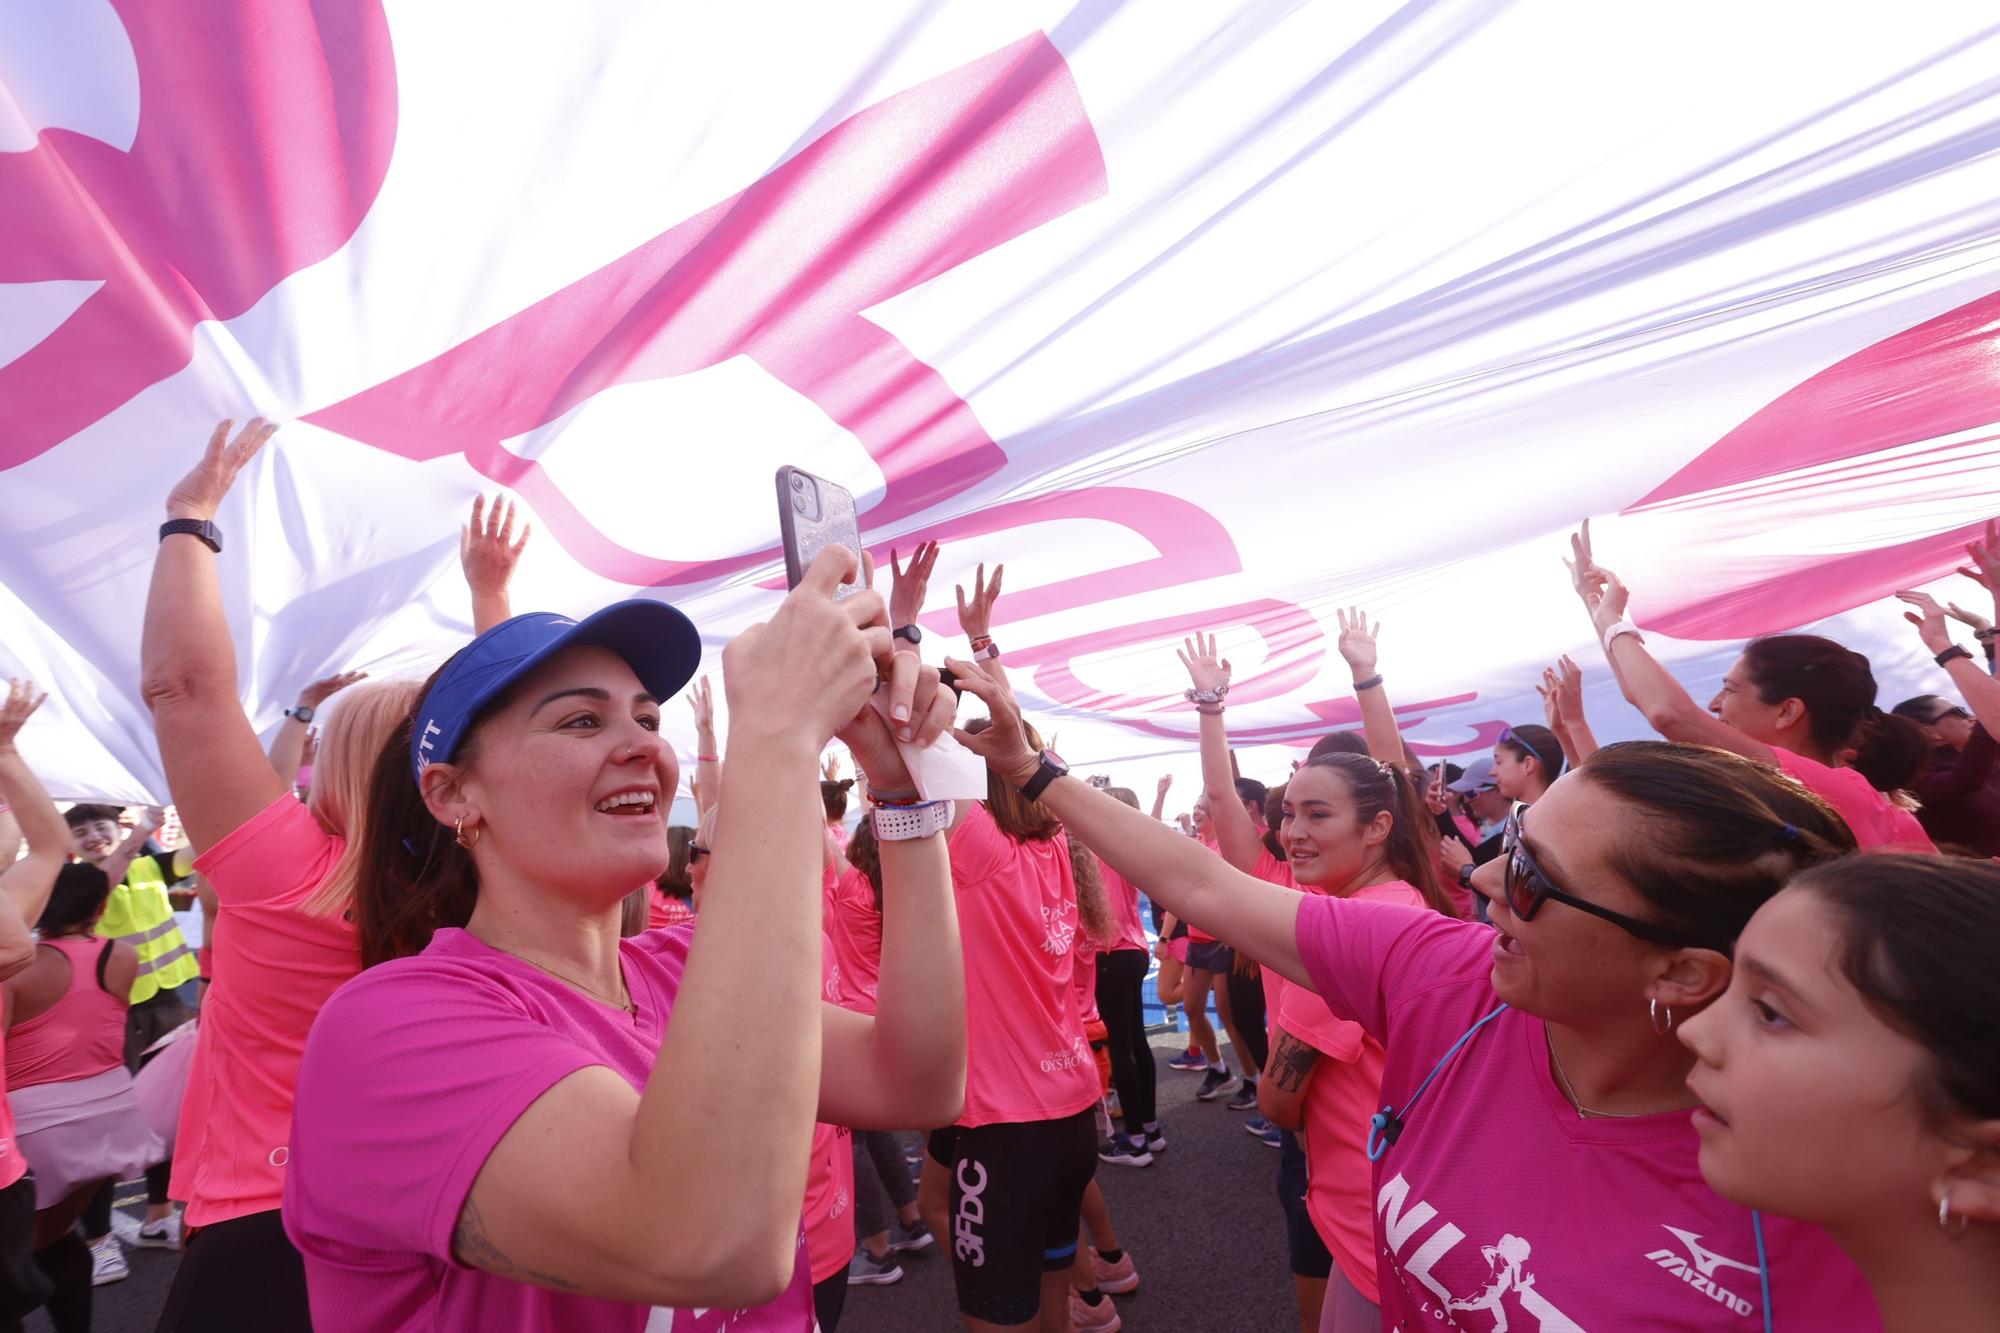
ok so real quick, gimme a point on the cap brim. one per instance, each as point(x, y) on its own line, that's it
point(660, 644)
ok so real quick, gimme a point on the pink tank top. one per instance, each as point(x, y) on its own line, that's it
point(81, 1034)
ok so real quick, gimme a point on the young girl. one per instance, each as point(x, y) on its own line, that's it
point(1850, 1077)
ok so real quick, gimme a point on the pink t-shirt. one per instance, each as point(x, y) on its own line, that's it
point(12, 1165)
point(828, 1217)
point(855, 926)
point(275, 965)
point(420, 1067)
point(1026, 1057)
point(1499, 1206)
point(664, 913)
point(1876, 820)
point(1344, 1090)
point(1083, 979)
point(1124, 896)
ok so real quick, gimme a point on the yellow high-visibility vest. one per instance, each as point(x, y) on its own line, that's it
point(140, 914)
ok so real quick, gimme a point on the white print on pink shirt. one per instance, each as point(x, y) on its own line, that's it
point(1054, 1062)
point(1701, 1273)
point(1059, 923)
point(1506, 1262)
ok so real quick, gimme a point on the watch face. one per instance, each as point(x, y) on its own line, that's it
point(1054, 760)
point(910, 633)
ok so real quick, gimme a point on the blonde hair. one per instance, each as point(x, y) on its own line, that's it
point(356, 729)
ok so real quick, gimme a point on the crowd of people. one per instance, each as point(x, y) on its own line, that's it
point(1698, 1033)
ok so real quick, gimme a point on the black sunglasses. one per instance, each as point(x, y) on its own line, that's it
point(695, 852)
point(1953, 711)
point(1528, 887)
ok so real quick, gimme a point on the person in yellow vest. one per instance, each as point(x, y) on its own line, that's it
point(140, 914)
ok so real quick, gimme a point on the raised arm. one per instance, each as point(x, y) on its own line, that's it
point(488, 550)
point(707, 780)
point(1160, 796)
point(903, 1067)
point(1980, 691)
point(1246, 912)
point(1649, 687)
point(125, 853)
point(25, 885)
point(216, 767)
point(288, 751)
point(1235, 833)
point(1378, 719)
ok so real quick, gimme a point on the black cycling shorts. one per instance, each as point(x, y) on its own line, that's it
point(1016, 1206)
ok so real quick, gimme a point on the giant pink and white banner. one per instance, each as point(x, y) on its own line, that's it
point(1197, 316)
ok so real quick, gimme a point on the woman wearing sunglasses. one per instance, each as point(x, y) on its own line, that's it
point(1792, 700)
point(1539, 1170)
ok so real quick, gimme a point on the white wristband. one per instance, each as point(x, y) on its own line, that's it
point(1621, 627)
point(905, 823)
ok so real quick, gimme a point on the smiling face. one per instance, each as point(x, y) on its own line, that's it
point(1742, 706)
point(568, 782)
point(94, 839)
point(1327, 845)
point(1567, 965)
point(1796, 1071)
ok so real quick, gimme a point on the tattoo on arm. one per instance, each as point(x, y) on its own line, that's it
point(1290, 1063)
point(475, 1249)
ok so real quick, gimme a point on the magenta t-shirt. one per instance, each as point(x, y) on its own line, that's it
point(1499, 1207)
point(415, 1071)
point(1875, 819)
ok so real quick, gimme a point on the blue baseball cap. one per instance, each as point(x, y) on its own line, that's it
point(659, 643)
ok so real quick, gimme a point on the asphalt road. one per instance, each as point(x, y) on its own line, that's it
point(1201, 1223)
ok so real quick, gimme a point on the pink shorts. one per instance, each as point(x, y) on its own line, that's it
point(1178, 948)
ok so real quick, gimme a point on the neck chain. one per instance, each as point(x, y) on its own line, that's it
point(628, 1004)
point(1562, 1080)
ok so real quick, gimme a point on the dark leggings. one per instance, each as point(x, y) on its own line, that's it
point(829, 1299)
point(1246, 1009)
point(67, 1265)
point(1121, 975)
point(882, 1184)
point(96, 1221)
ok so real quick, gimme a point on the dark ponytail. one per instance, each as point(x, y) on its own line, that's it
point(864, 853)
point(80, 892)
point(833, 795)
point(1834, 683)
point(1376, 787)
point(1889, 750)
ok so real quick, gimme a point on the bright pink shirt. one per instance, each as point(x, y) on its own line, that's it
point(1083, 979)
point(1345, 1089)
point(663, 913)
point(80, 1035)
point(1124, 896)
point(12, 1165)
point(1876, 820)
point(275, 965)
point(420, 1068)
point(1498, 1199)
point(828, 1217)
point(855, 926)
point(1026, 1057)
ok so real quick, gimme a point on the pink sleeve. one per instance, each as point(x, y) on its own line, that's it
point(281, 852)
point(1366, 959)
point(1305, 1016)
point(413, 1072)
point(978, 847)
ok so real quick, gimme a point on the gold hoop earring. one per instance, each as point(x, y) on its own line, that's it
point(1944, 1219)
point(1653, 1013)
point(458, 834)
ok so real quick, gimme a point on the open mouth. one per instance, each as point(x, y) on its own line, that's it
point(629, 803)
point(1506, 946)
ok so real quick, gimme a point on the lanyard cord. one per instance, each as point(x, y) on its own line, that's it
point(1386, 1126)
point(1763, 1267)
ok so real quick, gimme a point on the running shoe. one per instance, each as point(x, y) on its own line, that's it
point(909, 1239)
point(1273, 1137)
point(107, 1262)
point(1087, 1318)
point(1156, 1138)
point(1246, 1100)
point(865, 1270)
point(164, 1234)
point(1121, 1151)
point(1190, 1060)
point(1117, 1278)
point(1256, 1126)
point(1217, 1084)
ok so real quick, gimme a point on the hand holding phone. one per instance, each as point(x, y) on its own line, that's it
point(813, 514)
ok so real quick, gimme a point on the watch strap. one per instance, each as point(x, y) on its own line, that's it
point(303, 713)
point(1051, 769)
point(200, 528)
point(1956, 650)
point(906, 823)
point(907, 633)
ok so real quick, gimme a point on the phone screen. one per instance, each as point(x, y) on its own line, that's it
point(813, 514)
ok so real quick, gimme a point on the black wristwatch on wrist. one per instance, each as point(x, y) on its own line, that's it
point(200, 528)
point(303, 713)
point(911, 634)
point(1956, 650)
point(1465, 874)
point(1052, 767)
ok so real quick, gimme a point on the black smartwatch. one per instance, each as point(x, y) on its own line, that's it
point(303, 713)
point(201, 528)
point(1465, 874)
point(1052, 767)
point(908, 634)
point(1956, 650)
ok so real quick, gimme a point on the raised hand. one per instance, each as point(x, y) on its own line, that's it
point(22, 701)
point(806, 672)
point(1166, 784)
point(1435, 793)
point(829, 767)
point(975, 616)
point(1208, 672)
point(701, 702)
point(1597, 587)
point(1985, 552)
point(1357, 641)
point(1453, 856)
point(1004, 745)
point(200, 493)
point(1929, 619)
point(909, 584)
point(488, 550)
point(933, 707)
point(317, 693)
point(310, 750)
point(1980, 624)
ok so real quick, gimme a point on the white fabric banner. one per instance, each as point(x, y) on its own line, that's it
point(1196, 316)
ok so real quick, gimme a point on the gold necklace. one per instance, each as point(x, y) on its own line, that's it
point(1562, 1078)
point(628, 1004)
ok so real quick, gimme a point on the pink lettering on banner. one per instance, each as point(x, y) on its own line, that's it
point(264, 132)
point(894, 195)
point(1927, 382)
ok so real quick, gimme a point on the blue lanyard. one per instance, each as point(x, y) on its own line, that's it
point(1386, 1126)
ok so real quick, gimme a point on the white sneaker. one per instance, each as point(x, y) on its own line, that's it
point(107, 1262)
point(164, 1234)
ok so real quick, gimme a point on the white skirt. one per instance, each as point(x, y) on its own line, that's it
point(80, 1131)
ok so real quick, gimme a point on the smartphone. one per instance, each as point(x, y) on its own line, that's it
point(813, 514)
